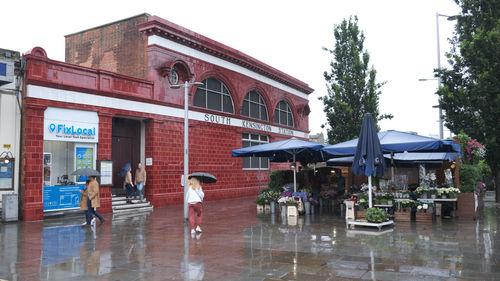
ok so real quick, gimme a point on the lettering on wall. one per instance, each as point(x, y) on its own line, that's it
point(256, 126)
point(217, 119)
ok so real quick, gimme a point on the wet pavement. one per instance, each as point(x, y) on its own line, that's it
point(238, 244)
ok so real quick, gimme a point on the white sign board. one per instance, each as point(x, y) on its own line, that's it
point(62, 124)
point(149, 161)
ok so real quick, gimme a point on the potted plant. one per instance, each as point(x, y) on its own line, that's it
point(423, 214)
point(260, 204)
point(403, 212)
point(422, 191)
point(376, 215)
point(433, 192)
point(389, 197)
point(291, 207)
point(443, 192)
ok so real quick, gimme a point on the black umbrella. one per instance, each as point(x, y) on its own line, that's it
point(203, 177)
point(368, 159)
point(86, 172)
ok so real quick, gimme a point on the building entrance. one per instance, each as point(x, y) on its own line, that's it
point(125, 149)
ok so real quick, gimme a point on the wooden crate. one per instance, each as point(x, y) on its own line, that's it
point(267, 209)
point(360, 214)
point(466, 206)
point(423, 217)
point(402, 216)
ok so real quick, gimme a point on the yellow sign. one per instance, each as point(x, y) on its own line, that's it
point(6, 145)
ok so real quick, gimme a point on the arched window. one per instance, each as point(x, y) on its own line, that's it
point(254, 106)
point(283, 114)
point(214, 95)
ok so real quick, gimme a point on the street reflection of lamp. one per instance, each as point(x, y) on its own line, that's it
point(186, 136)
point(6, 156)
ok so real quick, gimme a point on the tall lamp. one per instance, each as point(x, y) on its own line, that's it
point(186, 86)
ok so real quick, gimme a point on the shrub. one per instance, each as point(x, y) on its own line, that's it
point(279, 178)
point(470, 175)
point(376, 215)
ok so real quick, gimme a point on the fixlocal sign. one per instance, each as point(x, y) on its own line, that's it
point(79, 126)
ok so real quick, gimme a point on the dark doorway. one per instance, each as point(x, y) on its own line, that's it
point(126, 148)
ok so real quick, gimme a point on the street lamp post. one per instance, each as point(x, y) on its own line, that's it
point(186, 136)
point(450, 18)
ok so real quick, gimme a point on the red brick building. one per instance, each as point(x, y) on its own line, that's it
point(111, 100)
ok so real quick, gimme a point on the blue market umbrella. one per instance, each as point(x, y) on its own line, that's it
point(289, 150)
point(124, 170)
point(368, 158)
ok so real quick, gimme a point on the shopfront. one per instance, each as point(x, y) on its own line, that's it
point(75, 116)
point(69, 143)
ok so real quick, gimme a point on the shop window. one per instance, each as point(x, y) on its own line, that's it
point(214, 95)
point(283, 114)
point(254, 106)
point(61, 158)
point(249, 139)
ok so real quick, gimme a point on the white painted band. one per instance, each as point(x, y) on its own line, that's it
point(45, 93)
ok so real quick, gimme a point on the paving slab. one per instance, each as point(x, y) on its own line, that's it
point(239, 244)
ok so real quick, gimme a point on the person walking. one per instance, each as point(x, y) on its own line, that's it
point(83, 203)
point(129, 186)
point(140, 180)
point(94, 201)
point(194, 198)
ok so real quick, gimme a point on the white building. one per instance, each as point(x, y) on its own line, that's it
point(11, 77)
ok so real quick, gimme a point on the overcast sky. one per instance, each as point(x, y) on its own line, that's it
point(288, 35)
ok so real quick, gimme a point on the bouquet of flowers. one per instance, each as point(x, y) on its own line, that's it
point(421, 190)
point(327, 194)
point(423, 206)
point(406, 204)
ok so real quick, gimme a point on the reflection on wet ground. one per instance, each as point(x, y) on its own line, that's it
point(238, 244)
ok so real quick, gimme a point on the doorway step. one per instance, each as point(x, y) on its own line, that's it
point(120, 206)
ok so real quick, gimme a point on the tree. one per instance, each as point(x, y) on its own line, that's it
point(352, 87)
point(470, 92)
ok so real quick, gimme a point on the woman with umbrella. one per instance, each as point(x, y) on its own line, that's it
point(194, 198)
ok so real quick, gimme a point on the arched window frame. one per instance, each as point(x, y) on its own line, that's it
point(260, 103)
point(206, 91)
point(283, 107)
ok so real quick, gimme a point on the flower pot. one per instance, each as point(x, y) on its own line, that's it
point(292, 211)
point(424, 196)
point(267, 209)
point(433, 196)
point(283, 210)
point(273, 207)
point(307, 207)
point(389, 202)
point(260, 209)
point(443, 196)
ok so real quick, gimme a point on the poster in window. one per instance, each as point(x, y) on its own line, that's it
point(84, 158)
point(7, 175)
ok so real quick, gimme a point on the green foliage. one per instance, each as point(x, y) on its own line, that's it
point(279, 178)
point(376, 215)
point(352, 87)
point(470, 175)
point(470, 92)
point(260, 201)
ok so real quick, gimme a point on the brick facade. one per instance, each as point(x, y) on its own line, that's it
point(117, 47)
point(157, 105)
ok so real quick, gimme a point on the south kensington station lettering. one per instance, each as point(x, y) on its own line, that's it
point(217, 119)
